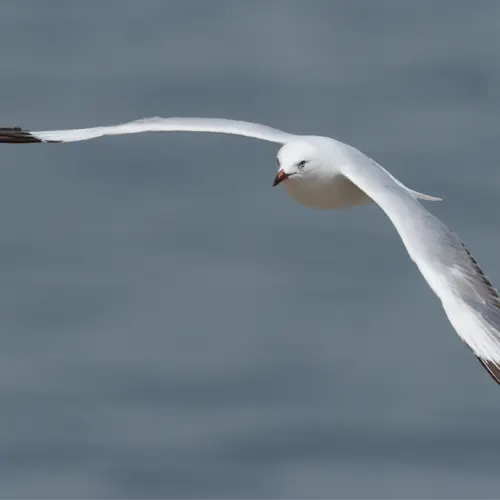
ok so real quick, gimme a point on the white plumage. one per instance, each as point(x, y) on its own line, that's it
point(324, 173)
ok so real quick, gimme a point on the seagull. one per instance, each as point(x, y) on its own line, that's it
point(324, 173)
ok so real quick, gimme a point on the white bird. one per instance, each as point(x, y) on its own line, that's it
point(324, 173)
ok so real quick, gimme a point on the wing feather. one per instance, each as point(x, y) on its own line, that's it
point(17, 135)
point(469, 299)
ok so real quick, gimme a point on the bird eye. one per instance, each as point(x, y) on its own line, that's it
point(278, 162)
point(301, 164)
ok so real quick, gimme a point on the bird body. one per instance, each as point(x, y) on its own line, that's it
point(323, 173)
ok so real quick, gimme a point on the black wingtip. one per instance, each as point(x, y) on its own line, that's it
point(16, 135)
point(492, 368)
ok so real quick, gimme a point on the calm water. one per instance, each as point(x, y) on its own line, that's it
point(171, 325)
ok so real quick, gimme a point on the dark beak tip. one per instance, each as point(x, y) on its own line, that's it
point(280, 177)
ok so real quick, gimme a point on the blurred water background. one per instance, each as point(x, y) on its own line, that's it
point(174, 327)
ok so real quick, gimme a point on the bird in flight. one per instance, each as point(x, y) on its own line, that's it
point(324, 173)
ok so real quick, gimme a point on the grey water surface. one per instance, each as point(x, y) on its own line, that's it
point(174, 327)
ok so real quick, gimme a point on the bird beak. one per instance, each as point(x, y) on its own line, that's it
point(280, 177)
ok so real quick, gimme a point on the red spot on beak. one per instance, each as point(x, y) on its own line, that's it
point(280, 177)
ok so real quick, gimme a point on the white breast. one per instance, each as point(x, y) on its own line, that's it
point(339, 192)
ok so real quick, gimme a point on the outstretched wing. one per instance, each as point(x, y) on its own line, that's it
point(17, 135)
point(469, 299)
